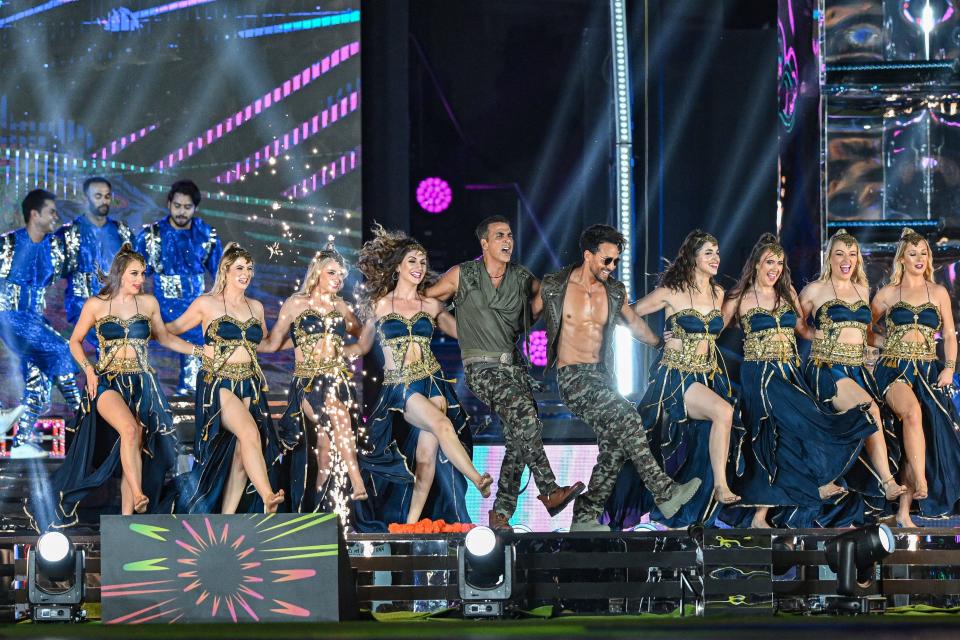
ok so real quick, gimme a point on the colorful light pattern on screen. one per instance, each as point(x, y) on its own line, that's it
point(334, 20)
point(329, 172)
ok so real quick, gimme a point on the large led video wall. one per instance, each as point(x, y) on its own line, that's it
point(258, 102)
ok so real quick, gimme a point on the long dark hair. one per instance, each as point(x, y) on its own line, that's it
point(783, 287)
point(679, 274)
point(378, 261)
point(111, 280)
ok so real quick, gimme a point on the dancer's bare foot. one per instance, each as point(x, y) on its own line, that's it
point(892, 490)
point(140, 503)
point(906, 522)
point(270, 504)
point(759, 522)
point(723, 495)
point(830, 490)
point(921, 492)
point(486, 481)
point(359, 495)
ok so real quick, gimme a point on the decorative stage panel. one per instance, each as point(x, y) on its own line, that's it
point(223, 568)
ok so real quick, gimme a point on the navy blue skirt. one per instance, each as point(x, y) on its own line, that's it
point(388, 459)
point(93, 457)
point(941, 430)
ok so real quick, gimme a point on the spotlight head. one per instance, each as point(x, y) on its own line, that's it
point(480, 541)
point(851, 554)
point(52, 562)
point(55, 555)
point(485, 573)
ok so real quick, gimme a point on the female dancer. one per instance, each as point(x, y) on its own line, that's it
point(799, 450)
point(836, 371)
point(322, 412)
point(232, 419)
point(121, 392)
point(404, 320)
point(688, 409)
point(914, 309)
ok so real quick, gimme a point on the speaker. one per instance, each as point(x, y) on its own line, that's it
point(225, 568)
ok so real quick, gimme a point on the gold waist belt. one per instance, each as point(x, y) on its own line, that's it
point(682, 360)
point(418, 370)
point(123, 365)
point(832, 352)
point(759, 350)
point(908, 350)
point(322, 368)
point(229, 370)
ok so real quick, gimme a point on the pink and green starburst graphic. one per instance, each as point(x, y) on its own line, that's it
point(239, 568)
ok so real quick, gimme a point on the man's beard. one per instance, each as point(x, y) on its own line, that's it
point(103, 210)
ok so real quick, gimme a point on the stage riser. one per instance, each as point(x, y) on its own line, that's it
point(615, 573)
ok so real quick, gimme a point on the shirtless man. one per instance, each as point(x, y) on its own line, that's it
point(582, 305)
point(492, 297)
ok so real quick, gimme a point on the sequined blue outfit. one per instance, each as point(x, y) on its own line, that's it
point(831, 361)
point(94, 454)
point(177, 260)
point(915, 364)
point(214, 445)
point(797, 444)
point(386, 464)
point(88, 248)
point(680, 443)
point(315, 382)
point(27, 269)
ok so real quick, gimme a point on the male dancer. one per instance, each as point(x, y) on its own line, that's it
point(178, 249)
point(492, 298)
point(583, 304)
point(91, 242)
point(31, 259)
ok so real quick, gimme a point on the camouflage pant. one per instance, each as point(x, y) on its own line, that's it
point(589, 392)
point(506, 390)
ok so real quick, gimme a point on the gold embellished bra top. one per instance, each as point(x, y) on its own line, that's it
point(693, 329)
point(226, 334)
point(770, 334)
point(397, 334)
point(904, 319)
point(831, 319)
point(312, 328)
point(115, 335)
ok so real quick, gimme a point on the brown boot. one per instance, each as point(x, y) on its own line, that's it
point(498, 521)
point(558, 499)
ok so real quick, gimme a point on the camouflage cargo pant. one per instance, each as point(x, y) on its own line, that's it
point(589, 392)
point(506, 390)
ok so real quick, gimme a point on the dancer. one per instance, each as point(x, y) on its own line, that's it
point(122, 393)
point(799, 449)
point(179, 248)
point(492, 297)
point(31, 259)
point(404, 319)
point(233, 425)
point(322, 415)
point(91, 241)
point(688, 409)
point(837, 373)
point(913, 309)
point(583, 305)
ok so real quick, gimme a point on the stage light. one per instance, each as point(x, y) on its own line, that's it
point(853, 557)
point(434, 195)
point(484, 573)
point(52, 561)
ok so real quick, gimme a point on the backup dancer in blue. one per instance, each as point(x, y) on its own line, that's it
point(90, 241)
point(32, 259)
point(179, 249)
point(234, 430)
point(122, 393)
point(913, 381)
point(688, 409)
point(799, 449)
point(322, 414)
point(414, 393)
point(837, 373)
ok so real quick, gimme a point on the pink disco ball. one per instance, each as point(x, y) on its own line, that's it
point(434, 195)
point(535, 348)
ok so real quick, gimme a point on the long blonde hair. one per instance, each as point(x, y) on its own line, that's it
point(910, 238)
point(231, 253)
point(826, 270)
point(312, 278)
point(111, 280)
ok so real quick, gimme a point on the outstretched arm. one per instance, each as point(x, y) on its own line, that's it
point(654, 301)
point(446, 286)
point(364, 342)
point(188, 319)
point(163, 337)
point(278, 334)
point(638, 327)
